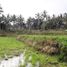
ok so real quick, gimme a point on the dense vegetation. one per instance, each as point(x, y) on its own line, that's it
point(41, 21)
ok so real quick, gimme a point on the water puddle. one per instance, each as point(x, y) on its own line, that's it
point(17, 61)
point(13, 62)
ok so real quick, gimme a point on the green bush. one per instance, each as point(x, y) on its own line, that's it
point(63, 55)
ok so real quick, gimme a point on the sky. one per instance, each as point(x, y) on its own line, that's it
point(29, 8)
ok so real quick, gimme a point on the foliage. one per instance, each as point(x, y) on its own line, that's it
point(63, 56)
point(41, 21)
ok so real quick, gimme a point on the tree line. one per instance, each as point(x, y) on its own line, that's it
point(41, 21)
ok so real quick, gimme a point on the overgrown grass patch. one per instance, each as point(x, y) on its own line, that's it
point(11, 46)
point(43, 58)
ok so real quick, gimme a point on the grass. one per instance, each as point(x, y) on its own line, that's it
point(43, 58)
point(11, 46)
point(61, 38)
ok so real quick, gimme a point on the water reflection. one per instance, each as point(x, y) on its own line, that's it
point(13, 62)
point(16, 61)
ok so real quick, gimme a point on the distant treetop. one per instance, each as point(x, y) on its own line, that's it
point(1, 9)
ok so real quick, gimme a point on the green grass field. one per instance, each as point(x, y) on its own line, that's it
point(11, 46)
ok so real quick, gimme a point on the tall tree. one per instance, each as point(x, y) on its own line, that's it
point(29, 20)
point(20, 21)
point(44, 15)
point(39, 19)
point(1, 11)
point(14, 18)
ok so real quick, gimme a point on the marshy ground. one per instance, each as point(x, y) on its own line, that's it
point(12, 46)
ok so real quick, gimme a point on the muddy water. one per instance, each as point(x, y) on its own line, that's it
point(16, 61)
point(13, 62)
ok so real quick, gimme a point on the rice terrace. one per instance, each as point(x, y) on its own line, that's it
point(28, 40)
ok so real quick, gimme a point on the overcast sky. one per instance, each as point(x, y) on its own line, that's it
point(31, 7)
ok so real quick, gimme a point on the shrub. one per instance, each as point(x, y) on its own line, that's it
point(63, 55)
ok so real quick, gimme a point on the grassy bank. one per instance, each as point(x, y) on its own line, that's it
point(43, 58)
point(11, 46)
